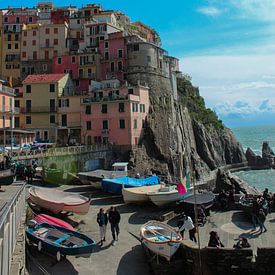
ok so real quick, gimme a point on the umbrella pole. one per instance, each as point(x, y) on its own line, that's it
point(196, 223)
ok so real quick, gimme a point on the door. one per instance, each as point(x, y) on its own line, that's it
point(52, 105)
point(64, 120)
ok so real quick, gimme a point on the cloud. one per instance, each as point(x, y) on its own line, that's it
point(210, 11)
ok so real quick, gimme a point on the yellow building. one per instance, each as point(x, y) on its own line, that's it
point(40, 99)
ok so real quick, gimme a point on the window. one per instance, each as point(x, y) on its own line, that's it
point(34, 55)
point(81, 73)
point(16, 37)
point(122, 123)
point(28, 120)
point(55, 53)
point(134, 107)
point(136, 47)
point(6, 19)
point(55, 30)
point(78, 21)
point(160, 64)
point(104, 108)
point(24, 43)
point(88, 125)
point(142, 108)
point(120, 53)
point(9, 37)
point(64, 120)
point(73, 59)
point(59, 60)
point(112, 67)
point(52, 88)
point(47, 55)
point(44, 67)
point(105, 124)
point(24, 54)
point(28, 89)
point(16, 103)
point(25, 33)
point(55, 41)
point(17, 19)
point(88, 110)
point(135, 123)
point(106, 55)
point(52, 118)
point(119, 66)
point(16, 46)
point(16, 122)
point(47, 42)
point(106, 45)
point(47, 30)
point(148, 59)
point(30, 19)
point(130, 91)
point(33, 33)
point(9, 46)
point(90, 73)
point(143, 123)
point(121, 107)
point(34, 42)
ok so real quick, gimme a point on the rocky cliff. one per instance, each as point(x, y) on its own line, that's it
point(181, 133)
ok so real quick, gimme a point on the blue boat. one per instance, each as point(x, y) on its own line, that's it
point(115, 185)
point(60, 241)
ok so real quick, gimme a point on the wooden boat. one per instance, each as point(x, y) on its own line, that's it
point(43, 218)
point(160, 238)
point(166, 195)
point(6, 177)
point(57, 176)
point(59, 201)
point(138, 194)
point(60, 241)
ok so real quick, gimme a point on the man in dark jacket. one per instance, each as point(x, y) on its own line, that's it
point(102, 221)
point(114, 219)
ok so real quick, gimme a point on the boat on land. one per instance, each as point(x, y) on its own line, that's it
point(58, 201)
point(57, 176)
point(166, 195)
point(160, 238)
point(6, 177)
point(59, 241)
point(43, 218)
point(115, 185)
point(94, 178)
point(138, 194)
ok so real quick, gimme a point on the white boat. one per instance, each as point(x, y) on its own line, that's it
point(138, 194)
point(167, 195)
point(160, 238)
point(59, 201)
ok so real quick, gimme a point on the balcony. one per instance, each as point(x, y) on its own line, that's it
point(103, 99)
point(105, 132)
point(46, 46)
point(7, 90)
point(36, 109)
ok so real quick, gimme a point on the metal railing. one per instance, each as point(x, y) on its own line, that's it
point(37, 109)
point(10, 219)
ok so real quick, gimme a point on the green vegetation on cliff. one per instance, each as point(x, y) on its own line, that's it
point(189, 97)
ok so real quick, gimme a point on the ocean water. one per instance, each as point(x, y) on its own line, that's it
point(253, 137)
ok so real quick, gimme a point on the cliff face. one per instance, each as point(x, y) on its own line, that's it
point(181, 134)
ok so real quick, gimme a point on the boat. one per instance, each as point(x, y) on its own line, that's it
point(160, 238)
point(59, 241)
point(115, 185)
point(59, 201)
point(95, 177)
point(57, 176)
point(138, 194)
point(6, 177)
point(166, 195)
point(43, 218)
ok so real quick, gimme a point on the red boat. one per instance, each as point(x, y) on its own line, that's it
point(42, 218)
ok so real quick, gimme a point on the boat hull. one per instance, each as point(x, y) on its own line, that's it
point(52, 247)
point(6, 177)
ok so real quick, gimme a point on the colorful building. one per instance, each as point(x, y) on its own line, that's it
point(114, 113)
point(40, 99)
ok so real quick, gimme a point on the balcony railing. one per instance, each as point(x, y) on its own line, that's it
point(7, 90)
point(42, 109)
point(103, 99)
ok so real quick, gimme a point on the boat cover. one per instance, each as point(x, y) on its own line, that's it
point(115, 185)
point(201, 198)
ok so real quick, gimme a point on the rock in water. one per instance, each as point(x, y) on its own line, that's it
point(267, 151)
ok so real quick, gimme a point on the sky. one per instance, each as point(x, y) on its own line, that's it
point(226, 46)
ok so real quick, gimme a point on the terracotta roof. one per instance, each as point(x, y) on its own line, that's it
point(43, 78)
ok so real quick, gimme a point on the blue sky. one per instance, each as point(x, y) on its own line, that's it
point(226, 46)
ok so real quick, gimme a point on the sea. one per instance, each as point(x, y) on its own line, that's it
point(253, 137)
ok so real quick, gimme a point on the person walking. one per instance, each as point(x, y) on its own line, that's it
point(261, 220)
point(102, 220)
point(188, 225)
point(114, 219)
point(214, 240)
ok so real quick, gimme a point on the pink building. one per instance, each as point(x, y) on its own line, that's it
point(65, 64)
point(114, 114)
point(114, 55)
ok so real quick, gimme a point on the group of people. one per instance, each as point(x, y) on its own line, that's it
point(226, 199)
point(113, 217)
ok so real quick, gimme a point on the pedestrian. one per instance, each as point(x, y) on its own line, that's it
point(255, 212)
point(214, 240)
point(188, 225)
point(261, 220)
point(102, 221)
point(29, 173)
point(242, 243)
point(114, 219)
